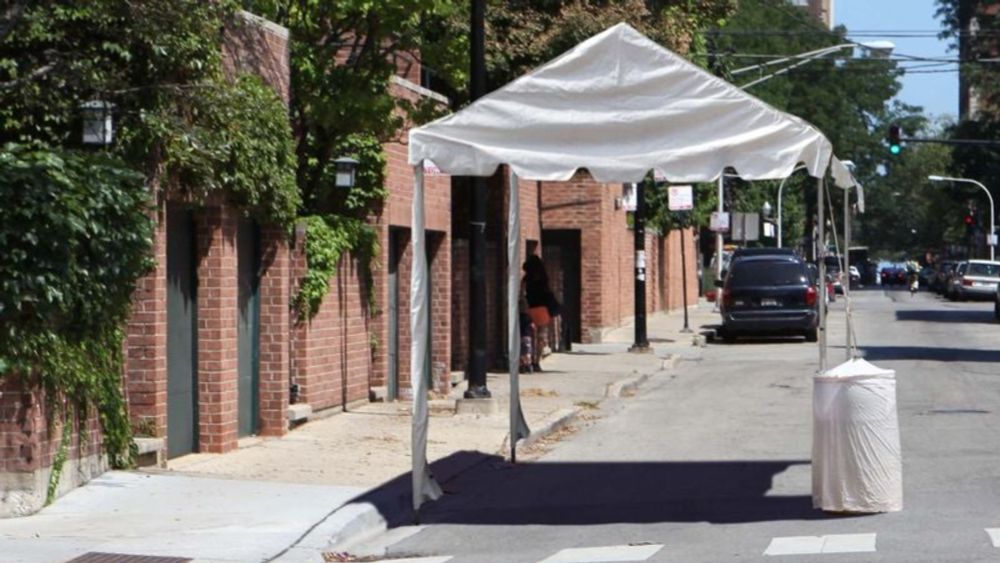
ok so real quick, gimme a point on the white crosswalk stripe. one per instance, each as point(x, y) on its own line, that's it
point(604, 554)
point(437, 559)
point(994, 534)
point(814, 545)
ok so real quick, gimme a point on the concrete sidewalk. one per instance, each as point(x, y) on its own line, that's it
point(336, 480)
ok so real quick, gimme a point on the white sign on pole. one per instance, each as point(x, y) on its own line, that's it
point(629, 199)
point(769, 230)
point(719, 222)
point(991, 240)
point(680, 198)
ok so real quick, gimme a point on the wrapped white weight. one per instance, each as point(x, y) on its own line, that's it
point(856, 460)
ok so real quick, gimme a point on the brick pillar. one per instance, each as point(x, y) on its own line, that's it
point(275, 331)
point(439, 256)
point(146, 340)
point(217, 319)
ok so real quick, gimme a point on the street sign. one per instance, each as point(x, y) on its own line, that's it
point(680, 198)
point(746, 227)
point(769, 230)
point(719, 222)
point(629, 199)
point(991, 240)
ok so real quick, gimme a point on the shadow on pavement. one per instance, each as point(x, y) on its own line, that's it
point(492, 491)
point(878, 353)
point(947, 315)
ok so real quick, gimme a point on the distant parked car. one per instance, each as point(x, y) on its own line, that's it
point(768, 295)
point(925, 276)
point(855, 276)
point(996, 302)
point(977, 279)
point(939, 282)
point(893, 275)
point(953, 279)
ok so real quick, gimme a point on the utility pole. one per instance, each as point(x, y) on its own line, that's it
point(641, 343)
point(476, 372)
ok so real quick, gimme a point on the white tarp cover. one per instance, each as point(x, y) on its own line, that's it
point(856, 460)
point(620, 105)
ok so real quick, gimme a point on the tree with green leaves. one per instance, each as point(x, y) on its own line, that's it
point(976, 161)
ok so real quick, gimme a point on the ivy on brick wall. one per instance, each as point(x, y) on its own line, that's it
point(328, 237)
point(76, 236)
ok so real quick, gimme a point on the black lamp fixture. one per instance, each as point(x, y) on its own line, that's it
point(346, 172)
point(97, 122)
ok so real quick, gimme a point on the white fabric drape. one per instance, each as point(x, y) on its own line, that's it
point(424, 486)
point(518, 426)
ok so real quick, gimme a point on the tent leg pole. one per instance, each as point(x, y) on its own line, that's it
point(821, 259)
point(518, 426)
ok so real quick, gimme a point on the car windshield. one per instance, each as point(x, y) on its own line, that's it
point(761, 272)
point(988, 270)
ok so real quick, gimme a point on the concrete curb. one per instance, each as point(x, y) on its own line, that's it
point(626, 386)
point(348, 525)
point(560, 419)
point(670, 361)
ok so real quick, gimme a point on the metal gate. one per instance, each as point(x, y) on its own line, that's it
point(182, 333)
point(248, 326)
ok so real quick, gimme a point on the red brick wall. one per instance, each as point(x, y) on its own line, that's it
point(275, 331)
point(217, 334)
point(608, 255)
point(146, 339)
point(332, 351)
point(253, 45)
point(29, 440)
point(578, 204)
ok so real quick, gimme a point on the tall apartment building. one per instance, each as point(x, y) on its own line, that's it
point(820, 9)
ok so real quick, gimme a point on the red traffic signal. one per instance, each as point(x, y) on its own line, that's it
point(969, 220)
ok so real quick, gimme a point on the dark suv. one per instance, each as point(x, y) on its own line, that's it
point(769, 295)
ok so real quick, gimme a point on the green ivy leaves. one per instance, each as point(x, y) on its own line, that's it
point(327, 239)
point(76, 234)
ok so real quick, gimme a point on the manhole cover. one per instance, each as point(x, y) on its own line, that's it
point(97, 557)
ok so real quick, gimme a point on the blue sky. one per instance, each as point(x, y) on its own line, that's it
point(937, 93)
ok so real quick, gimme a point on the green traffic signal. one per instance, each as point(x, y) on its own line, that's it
point(894, 140)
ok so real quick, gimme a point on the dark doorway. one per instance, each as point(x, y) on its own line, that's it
point(248, 326)
point(182, 333)
point(561, 254)
point(396, 242)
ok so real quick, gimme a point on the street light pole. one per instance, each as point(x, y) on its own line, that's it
point(476, 373)
point(641, 343)
point(989, 240)
point(882, 48)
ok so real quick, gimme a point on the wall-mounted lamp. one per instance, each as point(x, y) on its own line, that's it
point(97, 124)
point(346, 172)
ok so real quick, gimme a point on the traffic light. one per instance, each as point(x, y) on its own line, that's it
point(970, 223)
point(894, 142)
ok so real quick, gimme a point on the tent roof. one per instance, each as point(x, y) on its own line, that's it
point(620, 105)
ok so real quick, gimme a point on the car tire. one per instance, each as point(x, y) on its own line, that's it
point(812, 335)
point(727, 336)
point(996, 310)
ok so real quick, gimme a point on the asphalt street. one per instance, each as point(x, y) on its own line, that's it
point(711, 461)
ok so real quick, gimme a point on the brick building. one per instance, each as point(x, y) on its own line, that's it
point(581, 231)
point(214, 351)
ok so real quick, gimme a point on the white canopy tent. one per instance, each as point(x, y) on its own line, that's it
point(618, 105)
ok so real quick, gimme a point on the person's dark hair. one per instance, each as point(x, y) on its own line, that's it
point(534, 270)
